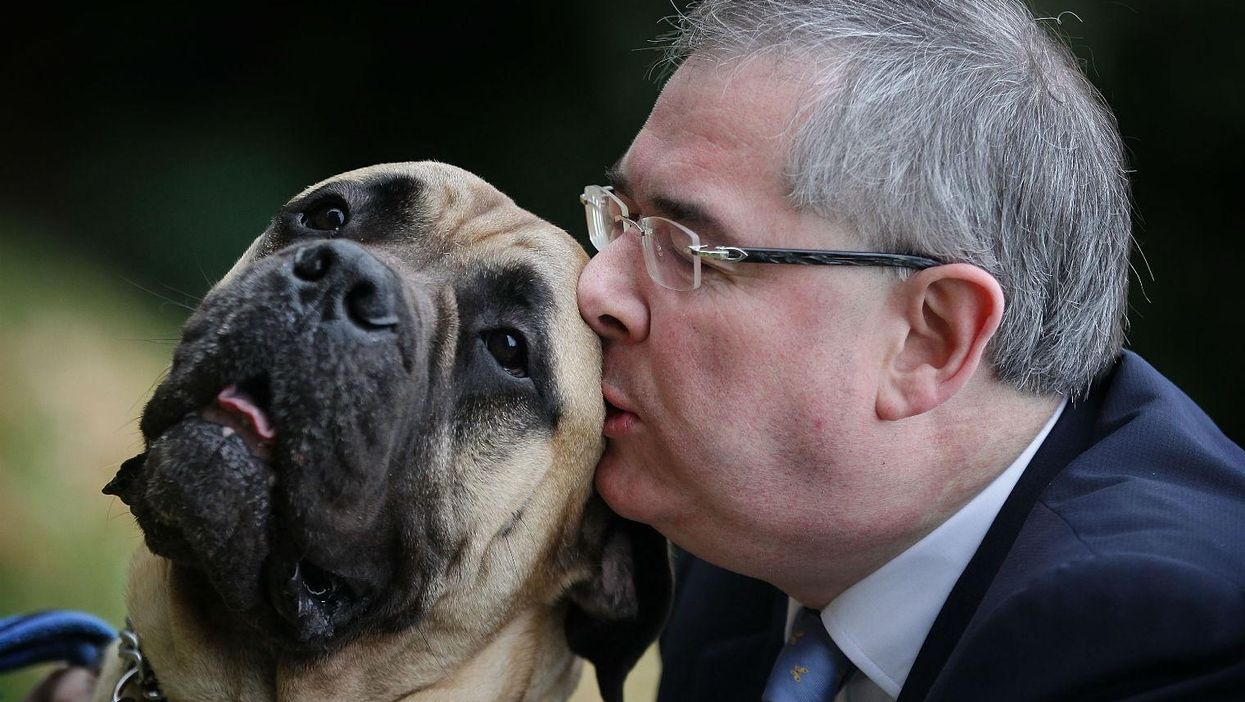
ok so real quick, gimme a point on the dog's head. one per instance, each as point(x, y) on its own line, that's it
point(387, 416)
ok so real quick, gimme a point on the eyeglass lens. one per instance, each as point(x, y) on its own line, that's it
point(605, 213)
point(667, 253)
point(669, 256)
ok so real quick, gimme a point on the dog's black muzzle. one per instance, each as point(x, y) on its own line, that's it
point(356, 293)
point(294, 391)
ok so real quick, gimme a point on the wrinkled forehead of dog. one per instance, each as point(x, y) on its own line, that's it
point(430, 216)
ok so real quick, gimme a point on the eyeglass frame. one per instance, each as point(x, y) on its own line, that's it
point(740, 254)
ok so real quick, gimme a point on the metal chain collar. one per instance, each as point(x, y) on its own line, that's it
point(137, 673)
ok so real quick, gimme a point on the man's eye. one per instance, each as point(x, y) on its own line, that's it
point(509, 348)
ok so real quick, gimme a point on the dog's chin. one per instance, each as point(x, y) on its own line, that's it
point(203, 497)
point(315, 607)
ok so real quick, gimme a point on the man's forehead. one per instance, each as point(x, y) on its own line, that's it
point(716, 130)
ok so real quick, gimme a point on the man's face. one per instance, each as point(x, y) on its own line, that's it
point(747, 405)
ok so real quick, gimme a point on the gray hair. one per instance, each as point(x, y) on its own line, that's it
point(961, 130)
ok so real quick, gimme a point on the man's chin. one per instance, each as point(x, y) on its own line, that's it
point(622, 483)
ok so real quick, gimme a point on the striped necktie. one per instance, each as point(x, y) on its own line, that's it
point(810, 667)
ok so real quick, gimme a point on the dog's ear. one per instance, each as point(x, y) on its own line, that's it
point(619, 611)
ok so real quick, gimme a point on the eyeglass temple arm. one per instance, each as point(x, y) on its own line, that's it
point(812, 257)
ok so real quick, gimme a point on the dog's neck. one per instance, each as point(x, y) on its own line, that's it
point(527, 659)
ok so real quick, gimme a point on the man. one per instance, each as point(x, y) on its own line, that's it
point(937, 447)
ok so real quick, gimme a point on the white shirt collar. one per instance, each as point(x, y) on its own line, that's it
point(881, 621)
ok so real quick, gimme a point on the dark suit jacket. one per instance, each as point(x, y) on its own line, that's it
point(1114, 571)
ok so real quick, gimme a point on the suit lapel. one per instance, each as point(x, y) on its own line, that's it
point(721, 643)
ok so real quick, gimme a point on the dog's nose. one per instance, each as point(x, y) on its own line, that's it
point(350, 281)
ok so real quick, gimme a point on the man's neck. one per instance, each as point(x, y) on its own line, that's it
point(953, 455)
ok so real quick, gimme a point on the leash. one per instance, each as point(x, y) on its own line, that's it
point(59, 635)
point(79, 639)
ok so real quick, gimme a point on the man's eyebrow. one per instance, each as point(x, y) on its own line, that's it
point(684, 212)
point(616, 177)
point(689, 214)
point(693, 216)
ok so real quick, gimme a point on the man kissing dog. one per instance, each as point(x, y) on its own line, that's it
point(368, 472)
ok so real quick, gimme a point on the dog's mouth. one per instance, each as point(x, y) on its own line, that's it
point(209, 496)
point(308, 597)
point(222, 492)
point(270, 449)
point(311, 599)
point(242, 408)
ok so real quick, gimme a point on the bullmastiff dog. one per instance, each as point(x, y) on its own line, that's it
point(368, 472)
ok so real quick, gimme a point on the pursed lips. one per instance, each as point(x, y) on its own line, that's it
point(619, 418)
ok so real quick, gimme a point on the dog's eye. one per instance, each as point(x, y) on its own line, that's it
point(328, 217)
point(509, 348)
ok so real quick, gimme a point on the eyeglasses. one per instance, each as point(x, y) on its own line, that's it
point(673, 253)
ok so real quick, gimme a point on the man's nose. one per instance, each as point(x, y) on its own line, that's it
point(610, 293)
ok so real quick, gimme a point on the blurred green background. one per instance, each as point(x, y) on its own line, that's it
point(141, 150)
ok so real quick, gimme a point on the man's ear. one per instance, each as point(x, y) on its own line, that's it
point(618, 612)
point(948, 314)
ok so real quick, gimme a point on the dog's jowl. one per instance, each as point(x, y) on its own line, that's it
point(368, 473)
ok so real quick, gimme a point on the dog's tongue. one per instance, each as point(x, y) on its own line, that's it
point(241, 404)
point(237, 411)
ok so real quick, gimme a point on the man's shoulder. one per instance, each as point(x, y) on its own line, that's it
point(1108, 627)
point(1141, 416)
point(1117, 562)
point(1150, 477)
point(1121, 592)
point(1157, 478)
